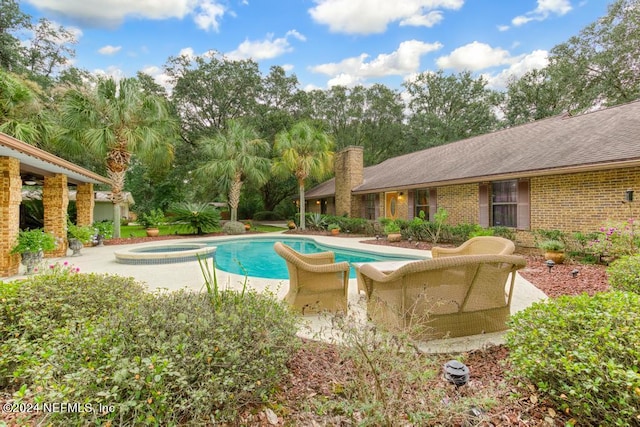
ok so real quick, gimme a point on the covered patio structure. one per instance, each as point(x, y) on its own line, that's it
point(23, 164)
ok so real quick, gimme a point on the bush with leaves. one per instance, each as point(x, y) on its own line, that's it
point(159, 359)
point(624, 274)
point(151, 219)
point(198, 218)
point(582, 352)
point(104, 228)
point(55, 300)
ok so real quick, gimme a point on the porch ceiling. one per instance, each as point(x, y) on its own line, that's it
point(36, 163)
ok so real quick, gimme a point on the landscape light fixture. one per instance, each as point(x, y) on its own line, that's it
point(456, 372)
point(550, 264)
point(628, 195)
point(574, 273)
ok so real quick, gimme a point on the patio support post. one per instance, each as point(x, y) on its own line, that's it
point(55, 198)
point(85, 201)
point(10, 189)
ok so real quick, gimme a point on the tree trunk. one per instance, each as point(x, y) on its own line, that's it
point(117, 184)
point(234, 197)
point(302, 207)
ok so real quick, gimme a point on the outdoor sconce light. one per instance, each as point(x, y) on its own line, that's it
point(628, 195)
point(401, 193)
point(550, 264)
point(574, 273)
point(317, 202)
point(457, 373)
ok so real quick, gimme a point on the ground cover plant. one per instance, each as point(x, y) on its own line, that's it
point(582, 352)
point(143, 358)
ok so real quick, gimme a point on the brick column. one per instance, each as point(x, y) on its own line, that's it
point(349, 169)
point(10, 199)
point(85, 201)
point(55, 198)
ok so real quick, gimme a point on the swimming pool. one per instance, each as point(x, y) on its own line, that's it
point(256, 257)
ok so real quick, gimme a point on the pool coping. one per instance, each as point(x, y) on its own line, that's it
point(137, 256)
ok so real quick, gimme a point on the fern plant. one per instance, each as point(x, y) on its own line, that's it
point(198, 218)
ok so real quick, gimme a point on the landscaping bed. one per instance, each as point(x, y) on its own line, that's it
point(319, 372)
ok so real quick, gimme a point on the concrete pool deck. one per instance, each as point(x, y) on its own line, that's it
point(187, 275)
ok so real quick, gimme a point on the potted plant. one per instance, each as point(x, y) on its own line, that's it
point(334, 229)
point(103, 230)
point(151, 220)
point(247, 225)
point(553, 250)
point(78, 236)
point(291, 225)
point(31, 245)
point(392, 230)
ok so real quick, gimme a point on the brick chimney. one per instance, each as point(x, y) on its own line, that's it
point(348, 168)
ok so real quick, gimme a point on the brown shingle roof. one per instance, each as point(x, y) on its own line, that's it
point(553, 145)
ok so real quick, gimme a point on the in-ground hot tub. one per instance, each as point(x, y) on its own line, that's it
point(167, 253)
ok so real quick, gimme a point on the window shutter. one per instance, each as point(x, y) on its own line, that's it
point(433, 203)
point(411, 205)
point(483, 206)
point(524, 207)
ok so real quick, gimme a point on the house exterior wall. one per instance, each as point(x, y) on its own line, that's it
point(11, 183)
point(569, 202)
point(103, 211)
point(461, 203)
point(583, 201)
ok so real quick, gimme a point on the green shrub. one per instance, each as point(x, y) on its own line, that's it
point(624, 274)
point(33, 241)
point(151, 219)
point(104, 228)
point(157, 359)
point(478, 231)
point(60, 297)
point(583, 353)
point(233, 227)
point(82, 233)
point(267, 216)
point(198, 218)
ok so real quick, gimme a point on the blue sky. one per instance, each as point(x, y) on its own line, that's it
point(324, 42)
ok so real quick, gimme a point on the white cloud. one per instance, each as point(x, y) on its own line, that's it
point(502, 28)
point(265, 49)
point(543, 11)
point(373, 16)
point(537, 59)
point(405, 60)
point(111, 13)
point(427, 20)
point(209, 15)
point(109, 50)
point(475, 56)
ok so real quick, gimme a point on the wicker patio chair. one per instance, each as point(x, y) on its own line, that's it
point(442, 297)
point(477, 246)
point(316, 282)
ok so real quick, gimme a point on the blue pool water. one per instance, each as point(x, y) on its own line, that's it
point(257, 258)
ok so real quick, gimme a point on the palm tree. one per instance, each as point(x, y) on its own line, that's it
point(116, 120)
point(22, 113)
point(307, 153)
point(236, 155)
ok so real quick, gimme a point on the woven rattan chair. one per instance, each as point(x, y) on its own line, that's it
point(316, 282)
point(442, 297)
point(477, 246)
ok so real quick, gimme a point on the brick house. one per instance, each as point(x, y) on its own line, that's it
point(570, 173)
point(21, 163)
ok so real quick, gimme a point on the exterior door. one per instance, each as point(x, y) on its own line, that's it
point(391, 205)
